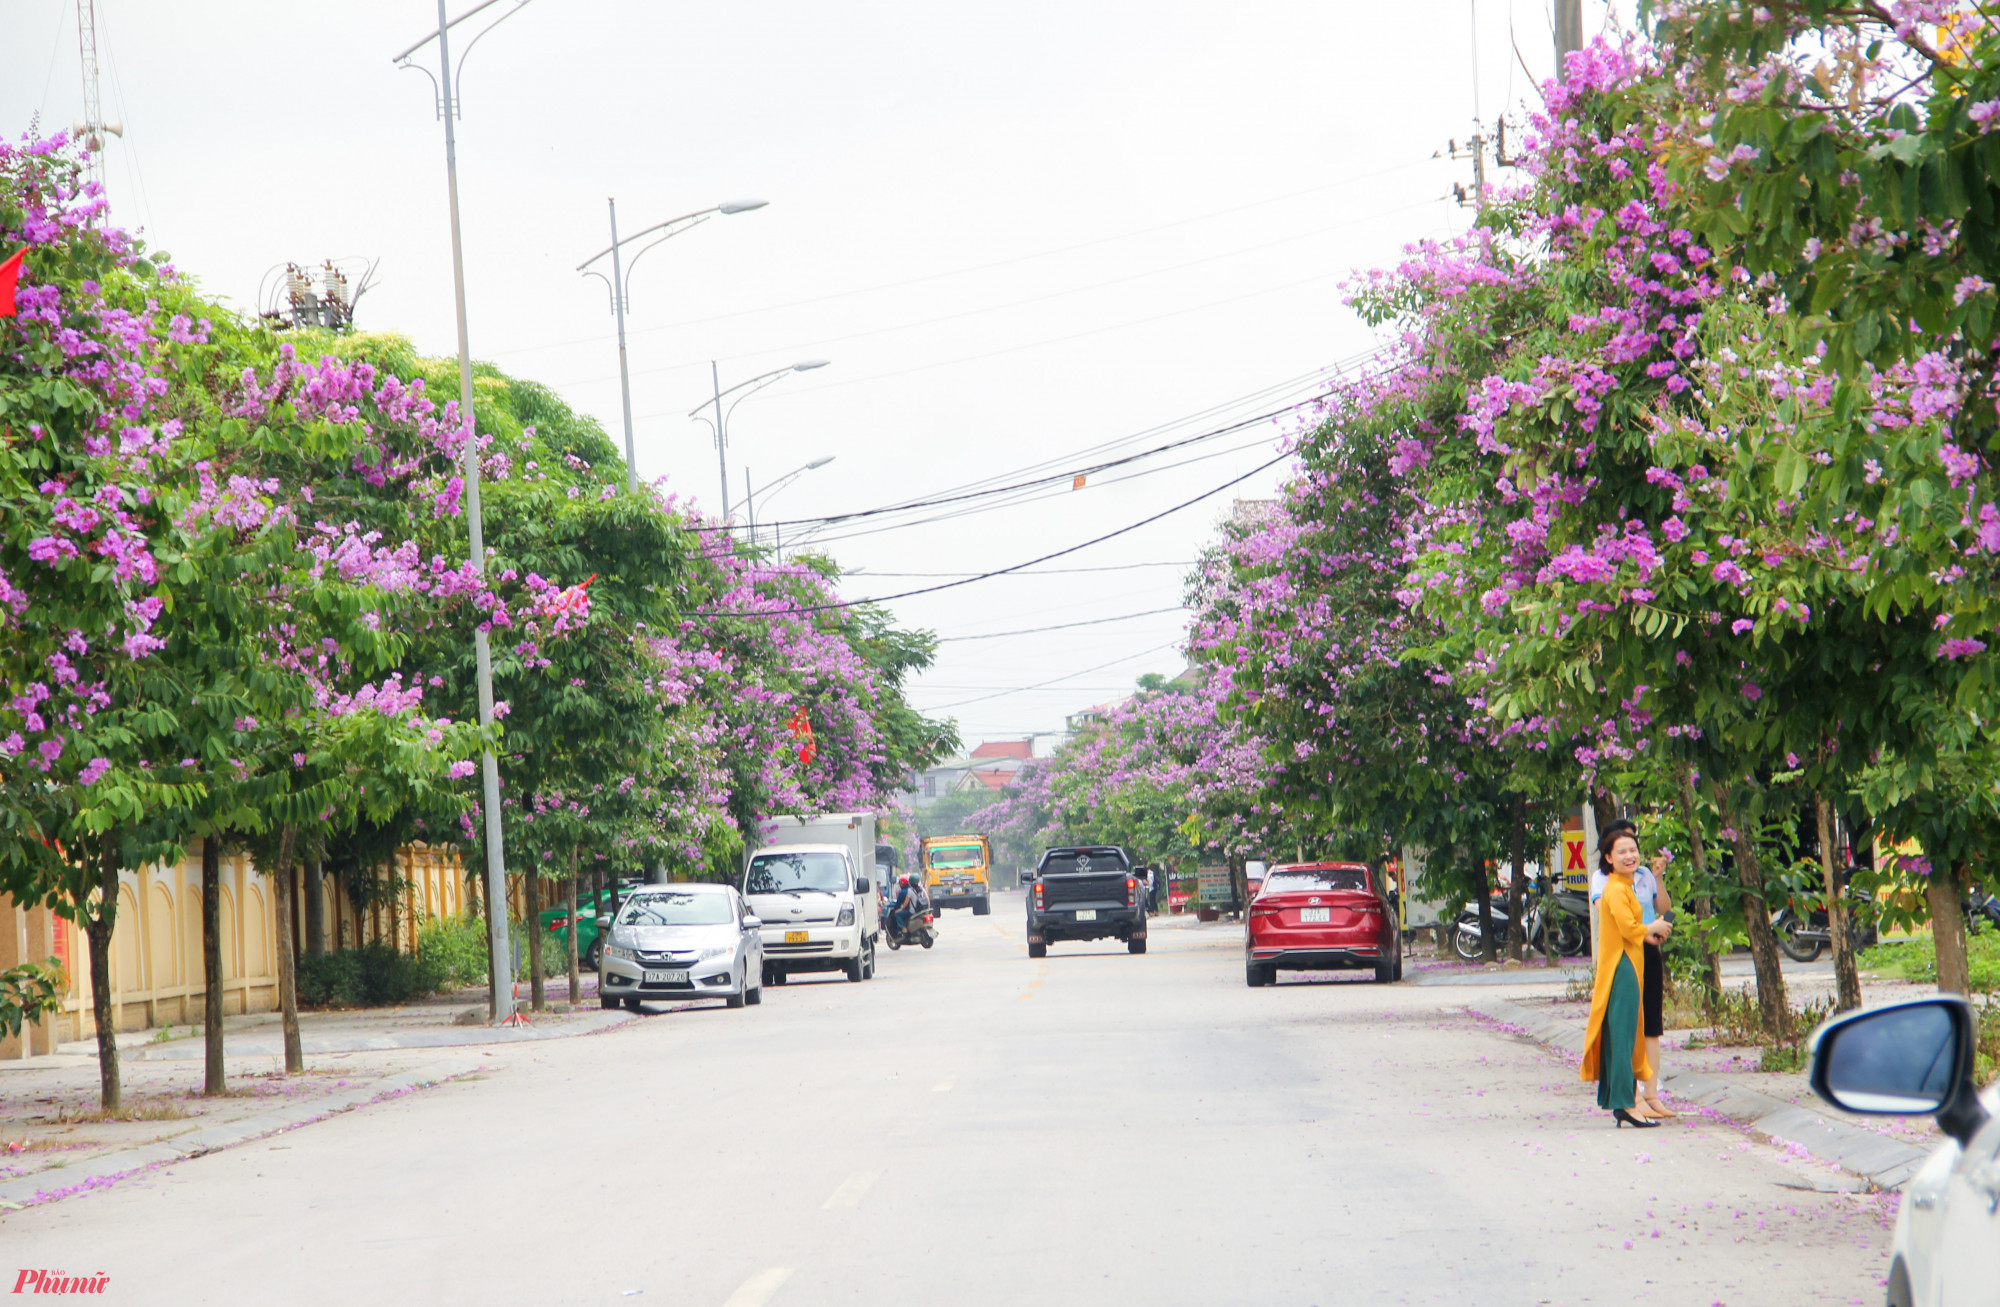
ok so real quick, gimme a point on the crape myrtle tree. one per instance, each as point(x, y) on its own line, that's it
point(1686, 533)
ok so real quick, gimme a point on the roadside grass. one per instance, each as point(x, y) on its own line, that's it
point(148, 1110)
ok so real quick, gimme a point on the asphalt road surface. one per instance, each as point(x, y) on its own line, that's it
point(974, 1127)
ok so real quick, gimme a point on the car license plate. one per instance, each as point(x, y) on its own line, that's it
point(666, 977)
point(1310, 915)
point(798, 936)
point(1086, 914)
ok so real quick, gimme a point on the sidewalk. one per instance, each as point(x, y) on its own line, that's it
point(1725, 1081)
point(54, 1142)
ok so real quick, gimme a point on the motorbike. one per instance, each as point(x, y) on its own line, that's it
point(1982, 912)
point(920, 930)
point(1804, 938)
point(1555, 922)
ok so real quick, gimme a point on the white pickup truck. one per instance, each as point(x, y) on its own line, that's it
point(809, 883)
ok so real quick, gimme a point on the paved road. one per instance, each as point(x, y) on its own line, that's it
point(977, 1128)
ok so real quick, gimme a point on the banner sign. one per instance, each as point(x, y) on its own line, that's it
point(1214, 887)
point(1576, 867)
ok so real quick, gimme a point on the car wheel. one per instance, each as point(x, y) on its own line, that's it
point(632, 1003)
point(755, 996)
point(1399, 966)
point(742, 994)
point(1137, 944)
point(1899, 1286)
point(591, 959)
point(982, 908)
point(1257, 977)
point(1038, 950)
point(1385, 972)
point(868, 963)
point(606, 1001)
point(853, 970)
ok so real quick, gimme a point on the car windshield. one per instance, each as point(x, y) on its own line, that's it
point(950, 859)
point(676, 910)
point(1076, 861)
point(1316, 878)
point(786, 873)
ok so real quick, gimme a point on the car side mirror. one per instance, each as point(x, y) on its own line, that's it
point(1027, 876)
point(861, 886)
point(1906, 1059)
point(752, 923)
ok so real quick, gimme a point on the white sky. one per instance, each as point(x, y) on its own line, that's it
point(1016, 231)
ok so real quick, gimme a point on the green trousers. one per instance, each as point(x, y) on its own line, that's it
point(1615, 1081)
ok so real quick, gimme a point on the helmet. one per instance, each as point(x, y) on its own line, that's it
point(902, 880)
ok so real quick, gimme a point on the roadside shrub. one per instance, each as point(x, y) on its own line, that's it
point(456, 947)
point(373, 975)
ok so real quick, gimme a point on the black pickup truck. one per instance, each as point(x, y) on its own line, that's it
point(1085, 892)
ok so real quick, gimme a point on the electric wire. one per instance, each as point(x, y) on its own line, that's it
point(1043, 685)
point(1060, 626)
point(967, 271)
point(799, 609)
point(1050, 571)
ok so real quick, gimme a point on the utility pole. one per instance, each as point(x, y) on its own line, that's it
point(1569, 32)
point(624, 376)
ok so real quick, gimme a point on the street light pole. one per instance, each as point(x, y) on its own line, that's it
point(721, 420)
point(620, 297)
point(624, 372)
point(500, 995)
point(769, 492)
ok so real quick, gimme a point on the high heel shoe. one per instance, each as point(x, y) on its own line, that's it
point(1660, 1111)
point(1625, 1118)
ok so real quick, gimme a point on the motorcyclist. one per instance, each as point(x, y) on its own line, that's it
point(907, 897)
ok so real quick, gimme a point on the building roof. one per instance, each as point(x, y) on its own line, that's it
point(1005, 749)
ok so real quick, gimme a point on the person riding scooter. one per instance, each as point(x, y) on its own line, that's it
point(909, 897)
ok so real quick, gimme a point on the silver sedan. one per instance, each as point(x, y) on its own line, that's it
point(671, 943)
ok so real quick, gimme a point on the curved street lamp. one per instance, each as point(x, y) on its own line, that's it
point(619, 283)
point(769, 491)
point(719, 424)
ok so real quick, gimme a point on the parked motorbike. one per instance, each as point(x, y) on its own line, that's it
point(1804, 938)
point(919, 930)
point(1982, 912)
point(1554, 922)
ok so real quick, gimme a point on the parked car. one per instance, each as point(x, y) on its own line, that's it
point(1085, 892)
point(555, 921)
point(672, 942)
point(1916, 1059)
point(1321, 916)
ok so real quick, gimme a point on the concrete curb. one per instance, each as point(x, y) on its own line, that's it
point(100, 1172)
point(1881, 1161)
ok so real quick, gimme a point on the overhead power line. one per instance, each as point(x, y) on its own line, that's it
point(1061, 626)
point(1018, 567)
point(1043, 685)
point(1047, 571)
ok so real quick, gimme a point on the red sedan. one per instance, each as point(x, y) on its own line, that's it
point(1321, 916)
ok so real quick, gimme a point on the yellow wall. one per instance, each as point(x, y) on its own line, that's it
point(156, 975)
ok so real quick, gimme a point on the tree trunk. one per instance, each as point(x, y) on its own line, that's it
point(315, 906)
point(211, 964)
point(288, 975)
point(1948, 930)
point(1488, 950)
point(392, 886)
point(575, 962)
point(1517, 928)
point(1847, 980)
point(1704, 907)
point(1772, 1007)
point(536, 980)
point(97, 929)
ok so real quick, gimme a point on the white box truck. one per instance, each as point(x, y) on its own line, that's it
point(810, 881)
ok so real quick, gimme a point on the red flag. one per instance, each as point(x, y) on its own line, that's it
point(10, 272)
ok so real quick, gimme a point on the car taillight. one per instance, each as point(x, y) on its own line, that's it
point(558, 923)
point(1041, 900)
point(1130, 885)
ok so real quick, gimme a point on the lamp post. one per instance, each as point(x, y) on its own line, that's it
point(500, 995)
point(619, 283)
point(770, 492)
point(720, 423)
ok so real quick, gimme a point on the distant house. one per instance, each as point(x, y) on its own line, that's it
point(990, 767)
